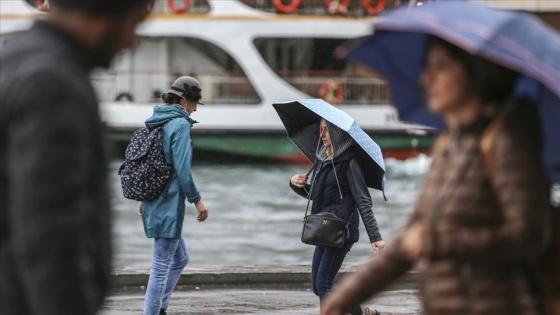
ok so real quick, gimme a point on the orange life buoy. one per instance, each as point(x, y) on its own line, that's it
point(337, 6)
point(331, 92)
point(286, 8)
point(370, 9)
point(182, 9)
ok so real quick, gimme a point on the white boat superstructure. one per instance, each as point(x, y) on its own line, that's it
point(236, 37)
point(172, 45)
point(233, 29)
point(245, 58)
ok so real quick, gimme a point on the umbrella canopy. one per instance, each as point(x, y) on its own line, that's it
point(302, 120)
point(513, 39)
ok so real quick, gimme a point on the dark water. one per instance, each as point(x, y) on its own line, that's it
point(255, 218)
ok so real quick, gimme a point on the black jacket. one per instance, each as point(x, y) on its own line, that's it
point(326, 195)
point(54, 213)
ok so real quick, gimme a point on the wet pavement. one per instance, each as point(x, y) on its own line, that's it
point(259, 301)
point(271, 290)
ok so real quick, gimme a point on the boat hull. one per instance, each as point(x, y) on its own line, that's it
point(274, 146)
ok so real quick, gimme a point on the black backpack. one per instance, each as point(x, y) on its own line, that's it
point(145, 172)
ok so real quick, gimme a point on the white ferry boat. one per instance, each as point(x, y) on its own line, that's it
point(247, 55)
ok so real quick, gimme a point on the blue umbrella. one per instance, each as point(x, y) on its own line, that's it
point(516, 40)
point(302, 118)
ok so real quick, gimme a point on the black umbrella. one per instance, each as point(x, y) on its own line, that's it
point(302, 119)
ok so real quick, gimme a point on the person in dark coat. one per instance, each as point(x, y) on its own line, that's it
point(55, 227)
point(482, 219)
point(338, 186)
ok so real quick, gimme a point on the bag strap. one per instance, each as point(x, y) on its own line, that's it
point(314, 167)
point(317, 168)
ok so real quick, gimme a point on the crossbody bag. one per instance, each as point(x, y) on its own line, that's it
point(323, 228)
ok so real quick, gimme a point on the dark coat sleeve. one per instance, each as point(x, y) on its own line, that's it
point(60, 231)
point(302, 191)
point(364, 204)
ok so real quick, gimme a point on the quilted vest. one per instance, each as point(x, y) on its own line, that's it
point(326, 195)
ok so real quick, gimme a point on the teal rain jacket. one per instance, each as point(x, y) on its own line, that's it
point(163, 217)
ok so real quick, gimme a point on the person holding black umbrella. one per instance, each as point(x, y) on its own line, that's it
point(338, 187)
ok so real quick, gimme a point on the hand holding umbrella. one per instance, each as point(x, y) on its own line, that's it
point(299, 180)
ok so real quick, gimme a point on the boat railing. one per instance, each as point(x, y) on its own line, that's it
point(354, 90)
point(219, 88)
point(147, 87)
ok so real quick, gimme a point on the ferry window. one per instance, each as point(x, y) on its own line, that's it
point(309, 65)
point(143, 74)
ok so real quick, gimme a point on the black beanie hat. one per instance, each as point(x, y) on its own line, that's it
point(102, 7)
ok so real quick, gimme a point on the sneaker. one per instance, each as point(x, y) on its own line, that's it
point(368, 311)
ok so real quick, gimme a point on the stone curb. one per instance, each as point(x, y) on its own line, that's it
point(246, 276)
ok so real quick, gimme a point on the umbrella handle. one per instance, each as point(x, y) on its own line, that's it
point(311, 188)
point(311, 170)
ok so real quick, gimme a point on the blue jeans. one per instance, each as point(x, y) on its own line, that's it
point(170, 258)
point(326, 264)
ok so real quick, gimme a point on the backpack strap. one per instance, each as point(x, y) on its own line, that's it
point(161, 126)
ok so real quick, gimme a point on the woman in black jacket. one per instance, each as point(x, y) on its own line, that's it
point(340, 188)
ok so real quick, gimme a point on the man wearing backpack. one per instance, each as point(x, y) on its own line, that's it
point(55, 244)
point(163, 216)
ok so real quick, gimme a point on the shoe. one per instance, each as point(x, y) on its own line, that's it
point(368, 311)
point(162, 312)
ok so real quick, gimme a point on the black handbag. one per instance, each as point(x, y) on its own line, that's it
point(324, 228)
